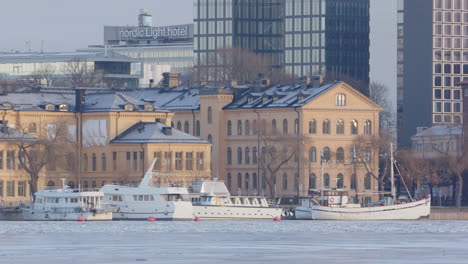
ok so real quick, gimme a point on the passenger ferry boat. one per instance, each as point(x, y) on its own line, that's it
point(67, 204)
point(211, 200)
point(144, 201)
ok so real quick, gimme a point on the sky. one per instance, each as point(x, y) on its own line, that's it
point(63, 25)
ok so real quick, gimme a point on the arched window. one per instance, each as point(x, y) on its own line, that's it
point(326, 180)
point(263, 181)
point(368, 127)
point(340, 127)
point(367, 155)
point(229, 156)
point(51, 184)
point(340, 155)
point(239, 127)
point(94, 185)
point(263, 127)
point(197, 129)
point(312, 154)
point(239, 181)
point(313, 127)
point(263, 154)
point(285, 126)
point(179, 125)
point(103, 162)
point(285, 181)
point(103, 183)
point(210, 115)
point(71, 184)
point(254, 155)
point(312, 181)
point(129, 107)
point(149, 107)
point(254, 181)
point(229, 181)
point(296, 126)
point(247, 179)
point(85, 185)
point(340, 99)
point(93, 162)
point(50, 107)
point(296, 182)
point(239, 155)
point(354, 127)
point(326, 127)
point(353, 182)
point(340, 181)
point(85, 162)
point(210, 138)
point(273, 126)
point(229, 128)
point(326, 154)
point(187, 127)
point(367, 182)
point(273, 155)
point(352, 154)
point(247, 155)
point(32, 128)
point(247, 128)
point(255, 127)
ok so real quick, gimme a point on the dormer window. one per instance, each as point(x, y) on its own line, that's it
point(264, 99)
point(149, 107)
point(250, 99)
point(275, 98)
point(8, 105)
point(300, 97)
point(64, 107)
point(50, 107)
point(340, 99)
point(129, 107)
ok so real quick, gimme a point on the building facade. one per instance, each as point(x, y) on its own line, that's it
point(305, 37)
point(109, 137)
point(431, 62)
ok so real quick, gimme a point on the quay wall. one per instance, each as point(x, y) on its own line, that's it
point(448, 213)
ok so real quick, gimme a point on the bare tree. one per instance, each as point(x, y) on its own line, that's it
point(379, 93)
point(45, 73)
point(79, 73)
point(241, 65)
point(35, 154)
point(359, 85)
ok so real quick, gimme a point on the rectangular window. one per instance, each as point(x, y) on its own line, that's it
point(447, 107)
point(10, 188)
point(1, 160)
point(142, 160)
point(189, 161)
point(129, 158)
point(114, 160)
point(157, 165)
point(456, 94)
point(437, 107)
point(456, 107)
point(437, 81)
point(168, 160)
point(447, 94)
point(10, 160)
point(22, 188)
point(1, 188)
point(200, 161)
point(135, 160)
point(437, 94)
point(178, 160)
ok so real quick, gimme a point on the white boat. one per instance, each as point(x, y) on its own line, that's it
point(334, 205)
point(67, 204)
point(144, 201)
point(211, 200)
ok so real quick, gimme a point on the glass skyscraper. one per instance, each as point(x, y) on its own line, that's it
point(306, 37)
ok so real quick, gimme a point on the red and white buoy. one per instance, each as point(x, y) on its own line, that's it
point(151, 218)
point(80, 219)
point(197, 219)
point(277, 218)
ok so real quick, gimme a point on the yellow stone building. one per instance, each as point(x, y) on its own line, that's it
point(110, 137)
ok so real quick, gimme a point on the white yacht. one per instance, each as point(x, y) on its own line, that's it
point(67, 204)
point(211, 200)
point(144, 201)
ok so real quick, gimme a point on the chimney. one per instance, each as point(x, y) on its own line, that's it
point(233, 83)
point(317, 81)
point(151, 83)
point(264, 83)
point(171, 79)
point(167, 131)
point(80, 100)
point(464, 86)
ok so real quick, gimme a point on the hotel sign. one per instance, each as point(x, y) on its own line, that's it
point(129, 33)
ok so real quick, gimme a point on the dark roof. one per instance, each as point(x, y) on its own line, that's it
point(150, 132)
point(9, 134)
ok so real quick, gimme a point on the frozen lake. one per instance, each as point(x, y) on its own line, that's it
point(234, 242)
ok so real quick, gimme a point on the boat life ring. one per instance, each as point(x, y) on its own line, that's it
point(331, 200)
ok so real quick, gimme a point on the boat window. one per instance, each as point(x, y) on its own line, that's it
point(233, 200)
point(151, 198)
point(57, 200)
point(140, 197)
point(39, 200)
point(73, 200)
point(117, 198)
point(135, 197)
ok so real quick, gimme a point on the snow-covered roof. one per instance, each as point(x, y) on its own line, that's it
point(149, 132)
point(440, 131)
point(9, 134)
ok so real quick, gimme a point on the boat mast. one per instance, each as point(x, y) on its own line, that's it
point(392, 173)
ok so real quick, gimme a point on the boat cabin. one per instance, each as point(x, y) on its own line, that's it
point(67, 198)
point(245, 201)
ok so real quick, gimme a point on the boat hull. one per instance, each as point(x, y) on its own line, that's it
point(236, 212)
point(36, 215)
point(406, 211)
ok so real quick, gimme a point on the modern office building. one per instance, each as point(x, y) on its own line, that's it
point(159, 49)
point(305, 37)
point(432, 60)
